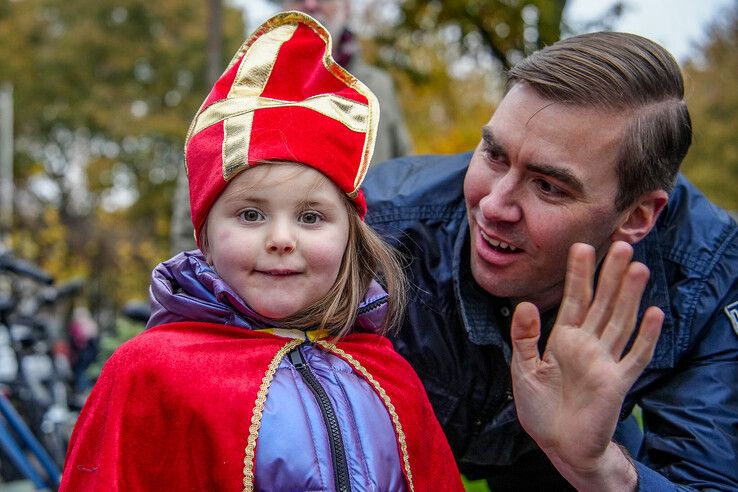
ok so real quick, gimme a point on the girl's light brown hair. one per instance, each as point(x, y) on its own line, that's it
point(367, 257)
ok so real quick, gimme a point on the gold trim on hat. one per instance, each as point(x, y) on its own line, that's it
point(347, 78)
point(258, 56)
point(236, 143)
point(352, 114)
point(251, 79)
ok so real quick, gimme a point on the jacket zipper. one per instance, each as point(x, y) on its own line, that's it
point(372, 305)
point(338, 452)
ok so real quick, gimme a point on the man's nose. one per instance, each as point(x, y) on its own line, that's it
point(502, 203)
point(281, 238)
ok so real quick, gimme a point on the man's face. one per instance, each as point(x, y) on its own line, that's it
point(333, 14)
point(542, 178)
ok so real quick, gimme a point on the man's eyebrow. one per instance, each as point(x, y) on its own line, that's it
point(491, 142)
point(560, 174)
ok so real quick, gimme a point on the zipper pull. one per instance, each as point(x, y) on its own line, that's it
point(296, 358)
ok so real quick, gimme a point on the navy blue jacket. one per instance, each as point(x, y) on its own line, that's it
point(456, 336)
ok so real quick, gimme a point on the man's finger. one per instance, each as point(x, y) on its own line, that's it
point(577, 286)
point(524, 333)
point(609, 285)
point(623, 319)
point(640, 354)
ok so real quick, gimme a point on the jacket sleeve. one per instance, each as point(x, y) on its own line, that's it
point(691, 415)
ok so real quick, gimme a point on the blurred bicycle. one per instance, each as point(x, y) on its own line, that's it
point(38, 380)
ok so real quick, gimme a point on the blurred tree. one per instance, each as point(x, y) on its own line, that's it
point(449, 57)
point(104, 93)
point(506, 29)
point(712, 80)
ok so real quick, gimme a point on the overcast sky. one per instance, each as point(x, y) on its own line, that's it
point(676, 24)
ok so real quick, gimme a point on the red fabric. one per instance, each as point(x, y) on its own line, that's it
point(172, 409)
point(303, 56)
point(223, 85)
point(305, 142)
point(284, 133)
point(206, 182)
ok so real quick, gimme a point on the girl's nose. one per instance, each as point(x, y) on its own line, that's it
point(281, 239)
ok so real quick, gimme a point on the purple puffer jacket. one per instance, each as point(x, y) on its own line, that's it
point(295, 449)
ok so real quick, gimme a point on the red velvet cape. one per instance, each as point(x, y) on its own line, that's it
point(172, 409)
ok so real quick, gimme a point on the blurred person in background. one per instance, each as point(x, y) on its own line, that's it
point(84, 344)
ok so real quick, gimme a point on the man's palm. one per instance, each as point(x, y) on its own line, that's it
point(569, 399)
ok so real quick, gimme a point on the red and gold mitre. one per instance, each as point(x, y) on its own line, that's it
point(284, 98)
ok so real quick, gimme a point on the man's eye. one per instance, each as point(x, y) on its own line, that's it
point(549, 189)
point(251, 215)
point(492, 153)
point(310, 217)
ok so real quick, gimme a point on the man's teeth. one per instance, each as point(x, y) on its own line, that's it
point(498, 244)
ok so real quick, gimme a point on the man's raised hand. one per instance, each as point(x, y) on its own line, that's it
point(569, 398)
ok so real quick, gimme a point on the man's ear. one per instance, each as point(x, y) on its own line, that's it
point(639, 218)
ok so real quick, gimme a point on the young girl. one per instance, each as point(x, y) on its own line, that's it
point(265, 368)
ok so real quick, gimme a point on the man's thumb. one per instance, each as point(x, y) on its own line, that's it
point(525, 331)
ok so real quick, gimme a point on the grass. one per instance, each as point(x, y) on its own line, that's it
point(475, 486)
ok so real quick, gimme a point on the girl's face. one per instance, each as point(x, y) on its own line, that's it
point(277, 235)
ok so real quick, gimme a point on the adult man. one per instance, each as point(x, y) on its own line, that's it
point(584, 147)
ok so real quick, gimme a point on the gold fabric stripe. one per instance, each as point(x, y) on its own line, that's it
point(236, 144)
point(310, 335)
point(354, 115)
point(371, 135)
point(387, 403)
point(256, 67)
point(250, 453)
point(238, 114)
point(251, 79)
point(257, 77)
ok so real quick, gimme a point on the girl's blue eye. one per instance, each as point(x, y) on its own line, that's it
point(310, 217)
point(251, 215)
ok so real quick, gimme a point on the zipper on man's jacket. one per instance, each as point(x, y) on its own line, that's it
point(338, 452)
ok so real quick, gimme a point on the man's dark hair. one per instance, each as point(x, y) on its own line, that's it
point(620, 72)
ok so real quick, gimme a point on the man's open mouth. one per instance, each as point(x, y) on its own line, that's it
point(498, 245)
